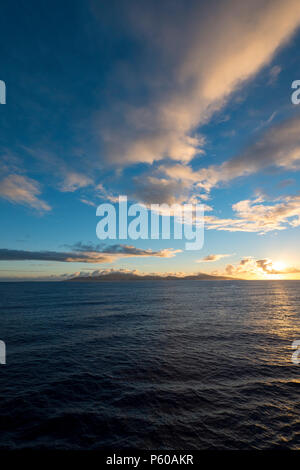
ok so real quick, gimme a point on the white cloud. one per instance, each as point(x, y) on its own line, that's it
point(259, 216)
point(22, 190)
point(200, 56)
point(73, 181)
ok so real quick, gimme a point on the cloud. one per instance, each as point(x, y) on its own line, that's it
point(118, 249)
point(286, 182)
point(212, 258)
point(166, 183)
point(246, 268)
point(258, 216)
point(85, 254)
point(126, 274)
point(73, 181)
point(252, 268)
point(87, 202)
point(64, 175)
point(274, 74)
point(185, 64)
point(191, 61)
point(269, 267)
point(266, 122)
point(154, 190)
point(20, 189)
point(279, 147)
point(116, 275)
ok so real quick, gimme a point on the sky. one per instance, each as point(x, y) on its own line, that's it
point(164, 102)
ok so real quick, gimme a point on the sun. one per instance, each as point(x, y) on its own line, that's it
point(279, 265)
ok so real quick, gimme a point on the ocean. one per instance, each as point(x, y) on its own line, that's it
point(179, 365)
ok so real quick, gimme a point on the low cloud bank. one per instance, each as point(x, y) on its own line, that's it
point(85, 254)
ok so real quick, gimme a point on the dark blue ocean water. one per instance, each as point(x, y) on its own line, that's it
point(151, 365)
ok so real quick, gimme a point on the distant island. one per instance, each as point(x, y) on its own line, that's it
point(119, 276)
